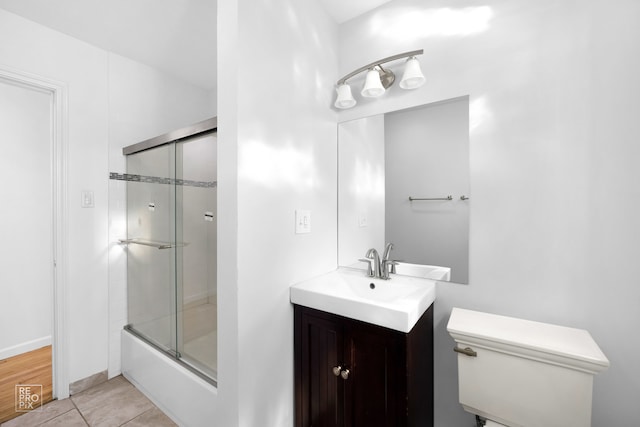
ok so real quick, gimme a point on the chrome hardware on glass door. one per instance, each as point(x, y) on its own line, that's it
point(449, 197)
point(159, 245)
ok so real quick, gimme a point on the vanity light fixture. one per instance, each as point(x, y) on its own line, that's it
point(379, 79)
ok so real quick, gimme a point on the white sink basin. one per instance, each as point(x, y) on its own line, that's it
point(396, 304)
point(421, 270)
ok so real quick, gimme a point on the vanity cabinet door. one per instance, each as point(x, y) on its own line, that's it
point(318, 350)
point(383, 378)
point(375, 391)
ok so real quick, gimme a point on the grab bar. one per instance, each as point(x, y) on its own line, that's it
point(152, 244)
point(411, 199)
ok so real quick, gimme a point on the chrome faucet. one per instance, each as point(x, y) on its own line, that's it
point(379, 267)
point(374, 263)
point(387, 252)
point(386, 264)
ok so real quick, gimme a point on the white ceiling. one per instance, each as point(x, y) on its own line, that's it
point(176, 36)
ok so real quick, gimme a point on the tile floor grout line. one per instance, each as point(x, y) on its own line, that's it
point(57, 416)
point(79, 411)
point(137, 416)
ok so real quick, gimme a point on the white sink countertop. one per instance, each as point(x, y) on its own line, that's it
point(397, 303)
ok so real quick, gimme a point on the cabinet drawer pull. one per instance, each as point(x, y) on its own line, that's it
point(344, 374)
point(336, 370)
point(466, 351)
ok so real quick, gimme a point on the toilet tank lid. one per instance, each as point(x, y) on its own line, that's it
point(557, 344)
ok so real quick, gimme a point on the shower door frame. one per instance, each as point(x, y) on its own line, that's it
point(205, 127)
point(200, 128)
point(59, 162)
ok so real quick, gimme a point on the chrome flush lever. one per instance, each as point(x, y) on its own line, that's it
point(468, 351)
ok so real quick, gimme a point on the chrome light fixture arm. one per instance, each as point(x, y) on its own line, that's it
point(378, 79)
point(379, 64)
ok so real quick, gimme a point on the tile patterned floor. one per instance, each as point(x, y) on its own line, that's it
point(113, 403)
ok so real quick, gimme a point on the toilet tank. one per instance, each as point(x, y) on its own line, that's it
point(525, 373)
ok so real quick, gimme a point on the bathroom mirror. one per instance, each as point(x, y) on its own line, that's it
point(403, 178)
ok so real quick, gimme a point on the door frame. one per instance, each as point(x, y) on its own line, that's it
point(59, 162)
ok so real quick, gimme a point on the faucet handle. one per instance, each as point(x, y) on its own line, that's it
point(369, 261)
point(388, 266)
point(393, 265)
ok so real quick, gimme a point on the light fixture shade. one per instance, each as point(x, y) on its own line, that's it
point(344, 99)
point(412, 77)
point(372, 85)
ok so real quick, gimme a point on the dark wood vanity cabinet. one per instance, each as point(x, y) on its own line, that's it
point(354, 374)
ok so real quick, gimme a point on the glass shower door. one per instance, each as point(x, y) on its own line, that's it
point(151, 266)
point(172, 249)
point(196, 219)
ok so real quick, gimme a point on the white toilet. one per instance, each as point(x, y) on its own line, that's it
point(519, 373)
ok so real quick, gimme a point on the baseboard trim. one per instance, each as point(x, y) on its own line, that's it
point(88, 382)
point(25, 347)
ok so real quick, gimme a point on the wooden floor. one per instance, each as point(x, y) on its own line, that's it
point(33, 367)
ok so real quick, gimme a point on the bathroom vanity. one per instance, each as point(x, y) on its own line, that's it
point(353, 372)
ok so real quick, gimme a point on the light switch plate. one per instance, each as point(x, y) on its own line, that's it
point(303, 221)
point(87, 199)
point(363, 221)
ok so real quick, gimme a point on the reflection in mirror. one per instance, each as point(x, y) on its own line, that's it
point(383, 161)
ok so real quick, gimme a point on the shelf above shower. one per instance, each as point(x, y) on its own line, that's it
point(153, 244)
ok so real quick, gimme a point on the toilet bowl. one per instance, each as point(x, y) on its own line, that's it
point(519, 373)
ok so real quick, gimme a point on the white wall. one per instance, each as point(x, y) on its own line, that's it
point(25, 224)
point(275, 90)
point(554, 194)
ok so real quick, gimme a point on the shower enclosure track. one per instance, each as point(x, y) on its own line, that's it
point(200, 128)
